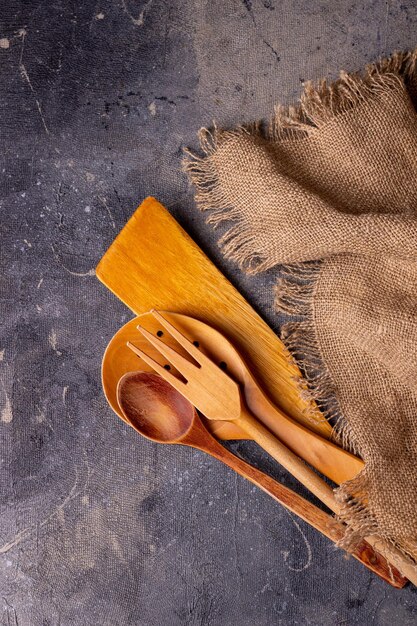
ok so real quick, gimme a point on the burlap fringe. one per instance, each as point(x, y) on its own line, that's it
point(361, 522)
point(238, 243)
point(323, 101)
point(319, 105)
point(294, 297)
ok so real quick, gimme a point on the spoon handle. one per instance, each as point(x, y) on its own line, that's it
point(321, 521)
point(317, 486)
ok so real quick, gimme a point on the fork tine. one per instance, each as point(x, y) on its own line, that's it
point(201, 358)
point(182, 364)
point(170, 378)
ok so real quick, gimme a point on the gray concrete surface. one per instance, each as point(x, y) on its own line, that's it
point(98, 527)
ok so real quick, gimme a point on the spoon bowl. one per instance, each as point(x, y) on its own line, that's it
point(154, 408)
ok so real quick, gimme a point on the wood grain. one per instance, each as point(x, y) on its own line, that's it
point(135, 269)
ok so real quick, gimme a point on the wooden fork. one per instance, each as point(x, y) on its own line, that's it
point(218, 397)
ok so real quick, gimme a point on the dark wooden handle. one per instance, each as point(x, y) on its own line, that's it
point(311, 514)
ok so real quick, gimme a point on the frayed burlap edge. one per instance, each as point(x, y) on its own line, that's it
point(238, 243)
point(319, 104)
point(294, 295)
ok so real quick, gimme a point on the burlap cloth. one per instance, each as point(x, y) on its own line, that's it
point(329, 191)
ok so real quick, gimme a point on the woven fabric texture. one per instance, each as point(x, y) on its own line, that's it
point(329, 191)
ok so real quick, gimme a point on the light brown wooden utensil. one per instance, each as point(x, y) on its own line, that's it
point(154, 263)
point(159, 413)
point(218, 397)
point(327, 458)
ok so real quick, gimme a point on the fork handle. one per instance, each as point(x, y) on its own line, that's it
point(316, 485)
point(288, 459)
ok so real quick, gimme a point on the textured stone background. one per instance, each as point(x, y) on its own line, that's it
point(99, 527)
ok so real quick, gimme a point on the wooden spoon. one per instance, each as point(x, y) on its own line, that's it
point(159, 413)
point(329, 459)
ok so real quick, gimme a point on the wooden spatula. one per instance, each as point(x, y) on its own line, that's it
point(153, 263)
